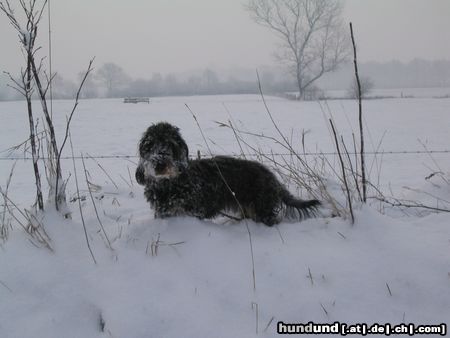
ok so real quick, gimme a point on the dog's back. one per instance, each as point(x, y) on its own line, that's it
point(251, 189)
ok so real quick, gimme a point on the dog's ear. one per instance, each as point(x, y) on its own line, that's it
point(140, 177)
point(146, 141)
point(179, 148)
point(186, 149)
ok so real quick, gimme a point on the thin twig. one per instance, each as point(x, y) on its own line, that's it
point(361, 131)
point(255, 306)
point(409, 204)
point(103, 169)
point(79, 202)
point(268, 324)
point(4, 227)
point(58, 161)
point(279, 233)
point(310, 277)
point(353, 172)
point(6, 286)
point(129, 175)
point(93, 203)
point(344, 176)
point(389, 289)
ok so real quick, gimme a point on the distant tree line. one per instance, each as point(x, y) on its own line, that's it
point(417, 73)
point(111, 80)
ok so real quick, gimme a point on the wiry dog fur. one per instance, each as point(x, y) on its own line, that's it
point(206, 188)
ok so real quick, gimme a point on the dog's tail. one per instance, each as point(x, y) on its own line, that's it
point(297, 209)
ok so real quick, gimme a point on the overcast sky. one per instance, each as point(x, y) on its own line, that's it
point(146, 36)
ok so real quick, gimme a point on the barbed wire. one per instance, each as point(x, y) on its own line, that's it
point(393, 152)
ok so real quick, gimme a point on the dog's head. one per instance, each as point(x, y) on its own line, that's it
point(163, 153)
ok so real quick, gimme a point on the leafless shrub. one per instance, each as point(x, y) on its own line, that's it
point(316, 175)
point(34, 80)
point(30, 221)
point(294, 168)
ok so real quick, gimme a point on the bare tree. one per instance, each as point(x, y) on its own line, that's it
point(366, 84)
point(210, 81)
point(313, 38)
point(90, 88)
point(113, 77)
point(62, 88)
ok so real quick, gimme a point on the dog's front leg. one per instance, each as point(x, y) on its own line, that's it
point(160, 212)
point(163, 210)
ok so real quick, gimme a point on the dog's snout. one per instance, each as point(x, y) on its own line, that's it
point(160, 167)
point(161, 164)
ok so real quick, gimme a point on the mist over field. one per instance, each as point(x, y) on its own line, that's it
point(275, 80)
point(214, 47)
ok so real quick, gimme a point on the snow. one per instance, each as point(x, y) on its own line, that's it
point(386, 268)
point(27, 38)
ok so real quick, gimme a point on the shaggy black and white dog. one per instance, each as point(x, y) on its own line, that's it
point(206, 188)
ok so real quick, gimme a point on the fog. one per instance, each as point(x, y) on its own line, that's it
point(200, 47)
point(176, 36)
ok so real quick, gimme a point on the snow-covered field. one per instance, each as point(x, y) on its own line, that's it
point(441, 92)
point(387, 268)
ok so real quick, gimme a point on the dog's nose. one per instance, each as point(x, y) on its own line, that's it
point(160, 168)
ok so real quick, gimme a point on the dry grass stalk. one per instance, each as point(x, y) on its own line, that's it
point(344, 176)
point(407, 204)
point(104, 171)
point(30, 222)
point(255, 307)
point(154, 245)
point(5, 225)
point(60, 193)
point(310, 277)
point(268, 324)
point(79, 201)
point(389, 289)
point(353, 172)
point(324, 309)
point(95, 206)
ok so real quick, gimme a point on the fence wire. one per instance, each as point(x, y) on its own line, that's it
point(394, 152)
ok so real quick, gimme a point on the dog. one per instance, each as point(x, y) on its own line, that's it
point(207, 188)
